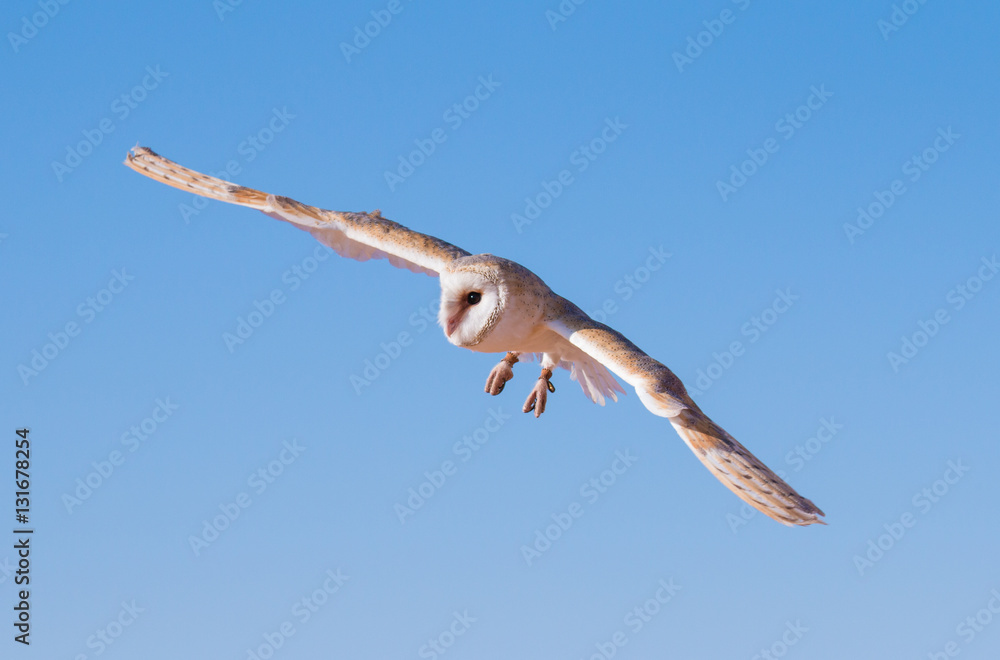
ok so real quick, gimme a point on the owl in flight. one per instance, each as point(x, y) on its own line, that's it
point(493, 305)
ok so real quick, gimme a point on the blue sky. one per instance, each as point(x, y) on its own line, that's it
point(792, 207)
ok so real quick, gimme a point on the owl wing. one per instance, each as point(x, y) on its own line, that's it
point(360, 236)
point(663, 394)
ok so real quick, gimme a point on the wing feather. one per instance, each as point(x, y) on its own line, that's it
point(663, 394)
point(360, 236)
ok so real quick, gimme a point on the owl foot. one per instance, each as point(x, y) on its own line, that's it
point(501, 374)
point(536, 400)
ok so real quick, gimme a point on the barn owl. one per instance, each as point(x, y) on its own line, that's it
point(493, 305)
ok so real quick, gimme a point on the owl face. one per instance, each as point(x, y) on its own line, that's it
point(472, 303)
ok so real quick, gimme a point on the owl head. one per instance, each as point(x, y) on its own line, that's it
point(472, 301)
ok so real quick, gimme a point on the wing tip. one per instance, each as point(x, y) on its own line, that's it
point(136, 152)
point(746, 476)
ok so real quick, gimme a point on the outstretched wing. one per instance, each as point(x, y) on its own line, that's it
point(360, 236)
point(663, 394)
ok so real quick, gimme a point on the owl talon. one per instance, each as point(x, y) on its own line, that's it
point(539, 394)
point(501, 374)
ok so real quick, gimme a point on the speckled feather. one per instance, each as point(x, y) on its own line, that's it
point(663, 393)
point(360, 236)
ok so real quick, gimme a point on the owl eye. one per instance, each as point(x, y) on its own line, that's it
point(473, 298)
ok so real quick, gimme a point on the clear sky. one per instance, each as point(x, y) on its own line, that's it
point(794, 206)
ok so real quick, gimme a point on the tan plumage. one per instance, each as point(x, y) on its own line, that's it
point(360, 236)
point(663, 394)
point(490, 304)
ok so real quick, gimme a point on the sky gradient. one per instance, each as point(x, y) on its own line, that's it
point(244, 446)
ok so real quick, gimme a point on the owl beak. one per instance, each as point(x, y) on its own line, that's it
point(453, 323)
